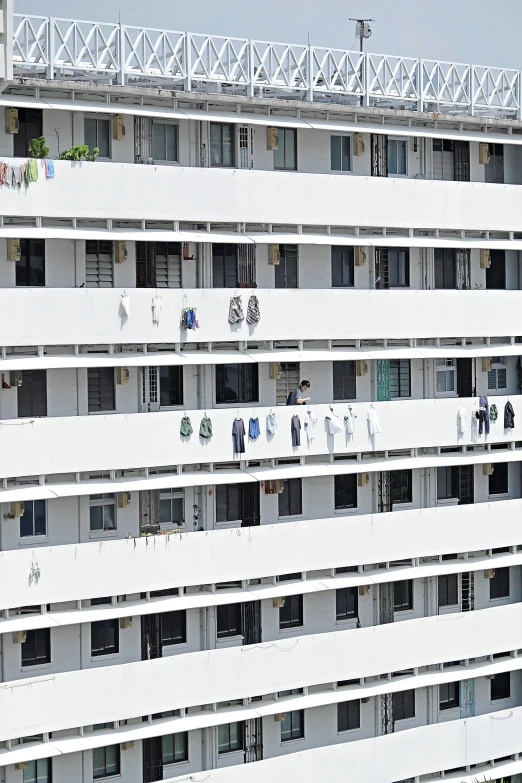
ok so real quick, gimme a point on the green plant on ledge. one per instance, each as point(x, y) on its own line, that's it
point(38, 148)
point(79, 152)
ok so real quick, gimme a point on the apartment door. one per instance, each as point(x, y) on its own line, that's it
point(384, 492)
point(466, 486)
point(150, 637)
point(30, 127)
point(379, 155)
point(250, 513)
point(253, 740)
point(150, 400)
point(382, 269)
point(149, 511)
point(461, 160)
point(152, 760)
point(246, 147)
point(287, 381)
point(158, 265)
point(496, 274)
point(251, 622)
point(465, 378)
point(32, 394)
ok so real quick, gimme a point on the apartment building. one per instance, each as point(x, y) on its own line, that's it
point(199, 581)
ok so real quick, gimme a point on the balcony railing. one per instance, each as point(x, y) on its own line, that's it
point(68, 48)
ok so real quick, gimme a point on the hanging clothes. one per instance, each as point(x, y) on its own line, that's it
point(238, 436)
point(309, 425)
point(483, 415)
point(49, 169)
point(349, 422)
point(185, 427)
point(253, 428)
point(32, 170)
point(509, 416)
point(125, 303)
point(235, 311)
point(253, 312)
point(462, 419)
point(373, 421)
point(295, 428)
point(156, 308)
point(271, 423)
point(189, 318)
point(205, 428)
point(334, 425)
point(493, 412)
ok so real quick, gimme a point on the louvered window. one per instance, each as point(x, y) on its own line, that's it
point(98, 264)
point(497, 376)
point(287, 381)
point(168, 265)
point(101, 391)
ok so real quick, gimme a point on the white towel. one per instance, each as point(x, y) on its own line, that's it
point(309, 424)
point(373, 421)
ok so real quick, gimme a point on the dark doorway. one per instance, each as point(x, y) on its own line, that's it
point(496, 274)
point(465, 378)
point(30, 122)
point(152, 760)
point(150, 637)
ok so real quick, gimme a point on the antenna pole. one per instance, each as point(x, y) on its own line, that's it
point(364, 32)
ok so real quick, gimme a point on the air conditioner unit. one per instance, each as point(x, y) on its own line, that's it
point(13, 250)
point(275, 371)
point(15, 510)
point(122, 375)
point(120, 251)
point(483, 152)
point(364, 589)
point(489, 573)
point(21, 765)
point(278, 603)
point(279, 716)
point(363, 479)
point(15, 378)
point(274, 256)
point(272, 138)
point(125, 622)
point(11, 120)
point(488, 469)
point(358, 144)
point(360, 256)
point(124, 499)
point(361, 367)
point(127, 745)
point(118, 127)
point(485, 258)
point(486, 363)
point(19, 637)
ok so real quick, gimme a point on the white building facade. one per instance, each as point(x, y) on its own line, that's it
point(199, 581)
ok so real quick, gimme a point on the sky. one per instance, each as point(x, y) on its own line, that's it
point(467, 31)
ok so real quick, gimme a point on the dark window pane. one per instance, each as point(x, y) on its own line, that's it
point(403, 595)
point(501, 686)
point(286, 272)
point(237, 383)
point(231, 737)
point(32, 394)
point(30, 269)
point(344, 380)
point(229, 620)
point(291, 614)
point(36, 650)
point(349, 715)
point(290, 500)
point(498, 481)
point(400, 378)
point(101, 389)
point(224, 266)
point(105, 637)
point(173, 627)
point(347, 603)
point(400, 486)
point(171, 385)
point(285, 156)
point(105, 762)
point(445, 268)
point(403, 705)
point(499, 585)
point(449, 695)
point(174, 748)
point(292, 726)
point(345, 491)
point(448, 590)
point(342, 267)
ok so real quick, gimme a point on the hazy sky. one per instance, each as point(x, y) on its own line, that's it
point(469, 31)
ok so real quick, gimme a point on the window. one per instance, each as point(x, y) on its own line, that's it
point(174, 748)
point(39, 771)
point(105, 762)
point(173, 628)
point(36, 650)
point(229, 621)
point(499, 585)
point(345, 491)
point(30, 269)
point(99, 266)
point(222, 145)
point(501, 686)
point(98, 134)
point(498, 481)
point(237, 383)
point(403, 705)
point(445, 268)
point(494, 170)
point(33, 521)
point(397, 153)
point(443, 164)
point(400, 378)
point(448, 590)
point(172, 507)
point(340, 153)
point(30, 126)
point(238, 502)
point(102, 512)
point(497, 376)
point(224, 266)
point(449, 695)
point(342, 267)
point(105, 637)
point(349, 715)
point(291, 614)
point(291, 498)
point(346, 603)
point(231, 737)
point(158, 265)
point(292, 726)
point(286, 272)
point(447, 483)
point(32, 394)
point(101, 390)
point(446, 376)
point(171, 386)
point(165, 141)
point(285, 156)
point(344, 380)
point(403, 595)
point(398, 267)
point(400, 486)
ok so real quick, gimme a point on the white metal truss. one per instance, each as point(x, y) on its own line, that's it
point(67, 48)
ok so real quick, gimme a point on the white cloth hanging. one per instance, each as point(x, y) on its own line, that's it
point(271, 423)
point(156, 308)
point(349, 421)
point(373, 421)
point(462, 417)
point(125, 303)
point(334, 425)
point(309, 424)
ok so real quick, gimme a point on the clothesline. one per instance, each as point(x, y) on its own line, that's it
point(16, 175)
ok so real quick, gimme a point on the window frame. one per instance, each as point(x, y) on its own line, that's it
point(498, 365)
point(34, 535)
point(102, 500)
point(347, 382)
point(231, 618)
point(99, 118)
point(407, 606)
point(504, 488)
point(401, 703)
point(449, 366)
point(288, 253)
point(341, 136)
point(164, 123)
point(449, 696)
point(38, 776)
point(28, 247)
point(281, 143)
point(352, 714)
point(36, 637)
point(400, 258)
point(101, 244)
point(102, 411)
point(173, 640)
point(351, 482)
point(117, 762)
point(170, 370)
point(295, 506)
point(231, 746)
point(294, 607)
point(106, 649)
point(178, 738)
point(233, 138)
point(296, 728)
point(243, 383)
point(171, 495)
point(408, 485)
point(344, 257)
point(344, 598)
point(399, 364)
point(504, 677)
point(447, 590)
point(397, 140)
point(500, 584)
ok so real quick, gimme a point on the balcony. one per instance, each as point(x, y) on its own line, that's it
point(88, 316)
point(127, 192)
